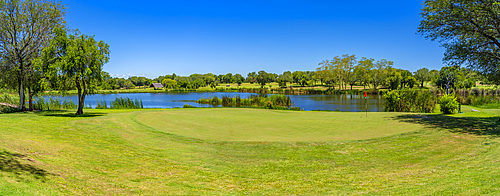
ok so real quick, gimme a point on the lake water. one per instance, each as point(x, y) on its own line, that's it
point(353, 103)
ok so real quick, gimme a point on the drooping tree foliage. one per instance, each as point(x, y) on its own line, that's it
point(77, 57)
point(26, 27)
point(468, 29)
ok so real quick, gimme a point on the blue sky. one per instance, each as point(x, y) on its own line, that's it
point(153, 38)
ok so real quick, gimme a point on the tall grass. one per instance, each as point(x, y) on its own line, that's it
point(279, 101)
point(53, 104)
point(484, 98)
point(125, 103)
point(101, 105)
point(10, 99)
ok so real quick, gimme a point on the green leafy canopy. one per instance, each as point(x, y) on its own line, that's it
point(468, 29)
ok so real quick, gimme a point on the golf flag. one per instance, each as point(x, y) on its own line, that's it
point(366, 106)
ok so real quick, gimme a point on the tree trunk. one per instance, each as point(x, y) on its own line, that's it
point(21, 96)
point(81, 98)
point(30, 98)
point(351, 87)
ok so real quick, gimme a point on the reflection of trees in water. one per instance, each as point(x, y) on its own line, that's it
point(343, 102)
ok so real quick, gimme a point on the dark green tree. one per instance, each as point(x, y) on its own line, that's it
point(447, 78)
point(298, 76)
point(468, 29)
point(25, 29)
point(422, 75)
point(262, 78)
point(239, 79)
point(251, 77)
point(394, 80)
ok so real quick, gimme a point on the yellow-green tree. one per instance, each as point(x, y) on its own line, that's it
point(169, 83)
point(343, 67)
point(363, 71)
point(380, 72)
point(77, 57)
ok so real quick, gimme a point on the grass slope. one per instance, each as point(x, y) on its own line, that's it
point(110, 152)
point(229, 124)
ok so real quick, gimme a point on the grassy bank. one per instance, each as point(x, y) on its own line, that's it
point(227, 151)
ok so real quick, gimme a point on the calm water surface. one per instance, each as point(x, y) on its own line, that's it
point(353, 103)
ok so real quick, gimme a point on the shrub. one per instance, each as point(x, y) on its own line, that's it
point(238, 101)
point(189, 106)
point(227, 101)
point(449, 104)
point(6, 98)
point(392, 101)
point(419, 101)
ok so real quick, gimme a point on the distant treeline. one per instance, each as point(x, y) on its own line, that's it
point(340, 73)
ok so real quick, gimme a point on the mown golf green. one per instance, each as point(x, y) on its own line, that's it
point(228, 151)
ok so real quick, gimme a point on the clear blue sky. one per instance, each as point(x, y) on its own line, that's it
point(153, 38)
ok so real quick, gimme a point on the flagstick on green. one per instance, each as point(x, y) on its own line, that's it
point(366, 106)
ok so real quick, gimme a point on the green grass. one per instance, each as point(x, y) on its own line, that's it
point(236, 151)
point(229, 124)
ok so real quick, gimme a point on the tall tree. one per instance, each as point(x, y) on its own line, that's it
point(394, 79)
point(379, 72)
point(422, 75)
point(78, 57)
point(363, 68)
point(251, 77)
point(25, 29)
point(298, 76)
point(342, 68)
point(325, 73)
point(468, 29)
point(262, 78)
point(239, 79)
point(448, 78)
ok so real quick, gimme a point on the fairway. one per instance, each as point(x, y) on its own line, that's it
point(229, 151)
point(234, 124)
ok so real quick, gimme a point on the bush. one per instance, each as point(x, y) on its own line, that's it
point(449, 104)
point(189, 106)
point(419, 101)
point(6, 98)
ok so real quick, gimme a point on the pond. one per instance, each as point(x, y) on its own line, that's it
point(353, 103)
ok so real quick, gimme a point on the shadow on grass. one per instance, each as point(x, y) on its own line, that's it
point(64, 113)
point(9, 162)
point(487, 126)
